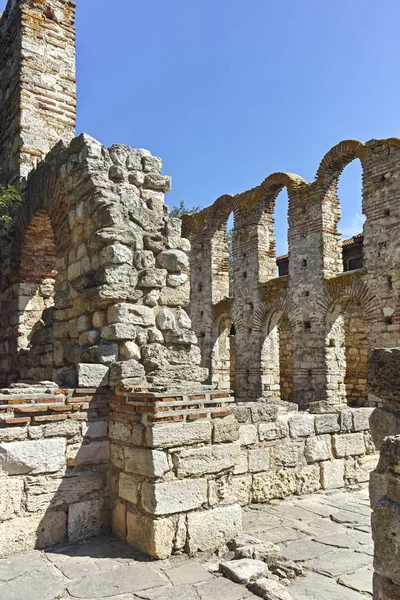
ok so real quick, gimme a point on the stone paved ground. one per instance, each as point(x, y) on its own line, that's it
point(328, 533)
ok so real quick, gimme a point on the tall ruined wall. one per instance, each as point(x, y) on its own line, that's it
point(335, 317)
point(37, 82)
point(384, 382)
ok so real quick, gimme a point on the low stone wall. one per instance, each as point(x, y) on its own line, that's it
point(54, 463)
point(172, 464)
point(283, 452)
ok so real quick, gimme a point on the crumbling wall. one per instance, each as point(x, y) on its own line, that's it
point(329, 365)
point(384, 382)
point(37, 82)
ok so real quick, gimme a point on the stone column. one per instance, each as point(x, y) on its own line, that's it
point(384, 382)
point(173, 455)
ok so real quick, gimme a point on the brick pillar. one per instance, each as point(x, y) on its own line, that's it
point(384, 382)
point(37, 82)
point(173, 456)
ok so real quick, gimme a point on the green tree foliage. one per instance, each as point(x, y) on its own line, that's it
point(9, 198)
point(178, 211)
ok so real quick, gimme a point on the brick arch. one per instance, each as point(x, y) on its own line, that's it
point(338, 157)
point(345, 289)
point(43, 216)
point(263, 196)
point(266, 310)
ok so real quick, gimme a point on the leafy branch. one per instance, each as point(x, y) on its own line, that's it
point(9, 198)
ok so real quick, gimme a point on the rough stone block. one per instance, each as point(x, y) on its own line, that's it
point(301, 425)
point(361, 418)
point(327, 423)
point(206, 459)
point(168, 435)
point(259, 459)
point(173, 497)
point(248, 435)
point(154, 537)
point(118, 520)
point(226, 429)
point(95, 453)
point(270, 590)
point(87, 519)
point(128, 488)
point(351, 444)
point(33, 456)
point(208, 530)
point(273, 431)
point(90, 375)
point(241, 489)
point(332, 474)
point(39, 531)
point(94, 429)
point(133, 314)
point(308, 479)
point(378, 485)
point(288, 455)
point(386, 533)
point(119, 331)
point(173, 260)
point(384, 423)
point(125, 369)
point(143, 461)
point(11, 489)
point(318, 448)
point(244, 570)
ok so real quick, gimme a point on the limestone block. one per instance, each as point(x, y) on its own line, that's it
point(262, 413)
point(384, 423)
point(244, 570)
point(168, 435)
point(346, 420)
point(33, 456)
point(152, 164)
point(208, 530)
point(332, 474)
point(241, 489)
point(248, 546)
point(259, 459)
point(175, 280)
point(11, 489)
point(125, 369)
point(131, 433)
point(87, 519)
point(119, 331)
point(118, 520)
point(301, 425)
point(179, 296)
point(128, 488)
point(92, 375)
point(143, 461)
point(152, 278)
point(143, 259)
point(289, 454)
point(386, 533)
point(273, 431)
point(158, 182)
point(133, 314)
point(361, 418)
point(378, 485)
point(226, 429)
point(247, 434)
point(173, 260)
point(117, 254)
point(11, 434)
point(88, 454)
point(130, 350)
point(308, 479)
point(350, 444)
point(154, 356)
point(94, 429)
point(89, 338)
point(84, 323)
point(182, 319)
point(173, 497)
point(105, 352)
point(270, 589)
point(39, 531)
point(151, 298)
point(327, 423)
point(318, 448)
point(193, 462)
point(364, 466)
point(154, 537)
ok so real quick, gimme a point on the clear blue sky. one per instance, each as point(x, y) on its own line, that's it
point(227, 91)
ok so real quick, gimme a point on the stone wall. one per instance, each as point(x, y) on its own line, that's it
point(384, 382)
point(37, 82)
point(329, 348)
point(54, 465)
point(284, 452)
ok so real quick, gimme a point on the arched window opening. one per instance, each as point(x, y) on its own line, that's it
point(222, 264)
point(349, 217)
point(281, 230)
point(223, 355)
point(347, 354)
point(277, 359)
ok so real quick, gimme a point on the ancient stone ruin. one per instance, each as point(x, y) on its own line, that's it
point(139, 394)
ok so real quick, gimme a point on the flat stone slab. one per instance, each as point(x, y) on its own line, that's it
point(301, 550)
point(188, 573)
point(316, 587)
point(45, 584)
point(222, 589)
point(338, 563)
point(361, 580)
